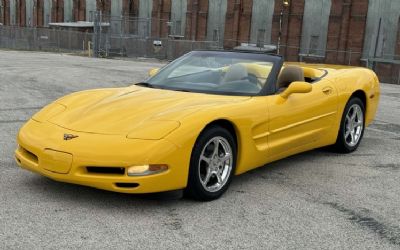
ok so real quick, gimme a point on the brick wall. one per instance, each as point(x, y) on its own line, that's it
point(346, 29)
point(160, 15)
point(3, 13)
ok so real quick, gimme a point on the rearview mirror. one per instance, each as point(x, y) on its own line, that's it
point(153, 71)
point(296, 87)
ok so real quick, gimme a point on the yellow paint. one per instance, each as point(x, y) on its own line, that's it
point(153, 71)
point(123, 127)
point(296, 88)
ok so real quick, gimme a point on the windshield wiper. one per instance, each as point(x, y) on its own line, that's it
point(149, 85)
point(145, 84)
point(181, 90)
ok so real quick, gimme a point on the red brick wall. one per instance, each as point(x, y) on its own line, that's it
point(57, 12)
point(79, 11)
point(2, 16)
point(21, 10)
point(161, 13)
point(343, 45)
point(201, 28)
point(237, 22)
point(243, 33)
point(346, 29)
point(291, 28)
point(39, 13)
point(1, 11)
point(231, 24)
point(104, 6)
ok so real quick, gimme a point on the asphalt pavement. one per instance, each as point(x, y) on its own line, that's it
point(314, 200)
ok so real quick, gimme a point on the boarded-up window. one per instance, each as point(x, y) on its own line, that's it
point(116, 17)
point(216, 20)
point(68, 5)
point(261, 21)
point(47, 5)
point(382, 43)
point(29, 5)
point(178, 17)
point(315, 27)
point(90, 9)
point(144, 25)
point(13, 12)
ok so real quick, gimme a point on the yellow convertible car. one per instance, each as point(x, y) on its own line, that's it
point(197, 122)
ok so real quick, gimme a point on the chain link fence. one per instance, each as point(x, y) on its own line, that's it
point(103, 44)
point(24, 38)
point(119, 36)
point(133, 37)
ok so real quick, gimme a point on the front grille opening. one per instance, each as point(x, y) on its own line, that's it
point(106, 170)
point(31, 156)
point(126, 185)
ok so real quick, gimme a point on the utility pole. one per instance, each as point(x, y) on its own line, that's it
point(285, 4)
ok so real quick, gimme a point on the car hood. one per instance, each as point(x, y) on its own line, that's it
point(123, 110)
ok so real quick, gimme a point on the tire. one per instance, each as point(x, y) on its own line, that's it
point(351, 127)
point(211, 168)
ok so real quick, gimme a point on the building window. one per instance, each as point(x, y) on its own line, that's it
point(261, 21)
point(381, 41)
point(178, 17)
point(68, 6)
point(1, 11)
point(216, 20)
point(116, 17)
point(13, 12)
point(144, 22)
point(29, 13)
point(47, 12)
point(315, 27)
point(90, 9)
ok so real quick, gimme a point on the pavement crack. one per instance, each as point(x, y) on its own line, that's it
point(11, 121)
point(21, 108)
point(386, 232)
point(390, 166)
point(386, 126)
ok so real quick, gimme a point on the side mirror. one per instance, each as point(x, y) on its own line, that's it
point(153, 71)
point(296, 87)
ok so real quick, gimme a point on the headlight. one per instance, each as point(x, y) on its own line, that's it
point(141, 170)
point(48, 112)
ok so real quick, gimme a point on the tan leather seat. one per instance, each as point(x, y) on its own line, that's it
point(235, 72)
point(288, 75)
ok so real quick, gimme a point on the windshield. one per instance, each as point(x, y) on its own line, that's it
point(216, 72)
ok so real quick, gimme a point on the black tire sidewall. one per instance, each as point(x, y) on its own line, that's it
point(194, 188)
point(341, 143)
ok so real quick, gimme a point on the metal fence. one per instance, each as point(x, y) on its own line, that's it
point(119, 36)
point(24, 38)
point(133, 37)
point(107, 45)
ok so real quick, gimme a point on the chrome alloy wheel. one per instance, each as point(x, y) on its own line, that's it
point(215, 164)
point(354, 125)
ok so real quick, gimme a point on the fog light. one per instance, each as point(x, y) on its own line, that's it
point(141, 170)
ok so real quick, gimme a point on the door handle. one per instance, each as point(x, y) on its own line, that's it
point(327, 90)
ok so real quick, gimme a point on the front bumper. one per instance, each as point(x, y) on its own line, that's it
point(43, 150)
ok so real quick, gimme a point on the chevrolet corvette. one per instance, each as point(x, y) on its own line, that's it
point(197, 122)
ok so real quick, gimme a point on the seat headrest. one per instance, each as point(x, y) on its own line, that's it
point(290, 74)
